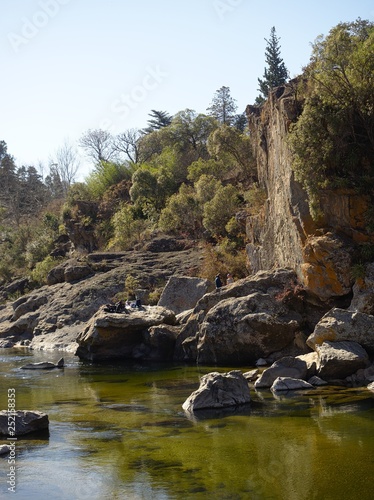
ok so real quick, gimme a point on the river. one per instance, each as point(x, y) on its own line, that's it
point(120, 432)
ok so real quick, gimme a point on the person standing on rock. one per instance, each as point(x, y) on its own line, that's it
point(229, 279)
point(218, 282)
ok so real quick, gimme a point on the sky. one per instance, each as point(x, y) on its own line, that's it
point(73, 65)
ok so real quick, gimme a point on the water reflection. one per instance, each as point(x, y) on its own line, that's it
point(120, 432)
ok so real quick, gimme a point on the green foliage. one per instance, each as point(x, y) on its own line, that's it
point(255, 197)
point(206, 188)
point(211, 167)
point(182, 213)
point(131, 284)
point(127, 229)
point(40, 272)
point(105, 175)
point(157, 120)
point(146, 190)
point(219, 210)
point(333, 140)
point(233, 148)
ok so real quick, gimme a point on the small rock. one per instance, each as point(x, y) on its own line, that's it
point(289, 384)
point(261, 362)
point(4, 449)
point(316, 381)
point(251, 375)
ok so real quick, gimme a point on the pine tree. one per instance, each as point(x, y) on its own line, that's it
point(276, 72)
point(223, 106)
point(158, 120)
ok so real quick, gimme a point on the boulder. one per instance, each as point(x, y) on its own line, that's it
point(52, 316)
point(182, 293)
point(240, 330)
point(289, 384)
point(25, 422)
point(46, 365)
point(338, 360)
point(109, 336)
point(284, 367)
point(219, 390)
point(371, 386)
point(343, 325)
point(258, 316)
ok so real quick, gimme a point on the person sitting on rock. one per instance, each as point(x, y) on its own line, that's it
point(229, 279)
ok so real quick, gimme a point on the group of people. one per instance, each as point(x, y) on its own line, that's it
point(218, 280)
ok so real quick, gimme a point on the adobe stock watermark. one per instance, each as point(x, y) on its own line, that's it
point(31, 26)
point(127, 102)
point(223, 7)
point(11, 413)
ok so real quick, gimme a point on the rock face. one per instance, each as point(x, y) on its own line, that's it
point(255, 317)
point(219, 390)
point(320, 256)
point(52, 317)
point(114, 336)
point(183, 293)
point(25, 422)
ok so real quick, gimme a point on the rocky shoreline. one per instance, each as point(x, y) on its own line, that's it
point(268, 316)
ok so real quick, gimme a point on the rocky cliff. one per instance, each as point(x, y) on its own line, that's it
point(283, 233)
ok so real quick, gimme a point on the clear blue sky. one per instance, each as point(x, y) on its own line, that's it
point(73, 65)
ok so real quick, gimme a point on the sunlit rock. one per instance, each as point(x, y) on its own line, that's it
point(219, 390)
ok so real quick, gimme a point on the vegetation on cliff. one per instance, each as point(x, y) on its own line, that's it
point(333, 139)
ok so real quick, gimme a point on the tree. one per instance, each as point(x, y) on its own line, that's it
point(159, 119)
point(276, 72)
point(233, 148)
point(333, 140)
point(223, 106)
point(98, 145)
point(128, 143)
point(65, 164)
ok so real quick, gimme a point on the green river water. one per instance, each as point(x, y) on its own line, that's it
point(119, 432)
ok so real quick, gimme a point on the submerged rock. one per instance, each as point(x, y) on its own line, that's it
point(219, 390)
point(46, 365)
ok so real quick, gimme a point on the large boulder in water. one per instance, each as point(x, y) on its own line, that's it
point(241, 330)
point(121, 335)
point(344, 325)
point(338, 360)
point(219, 390)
